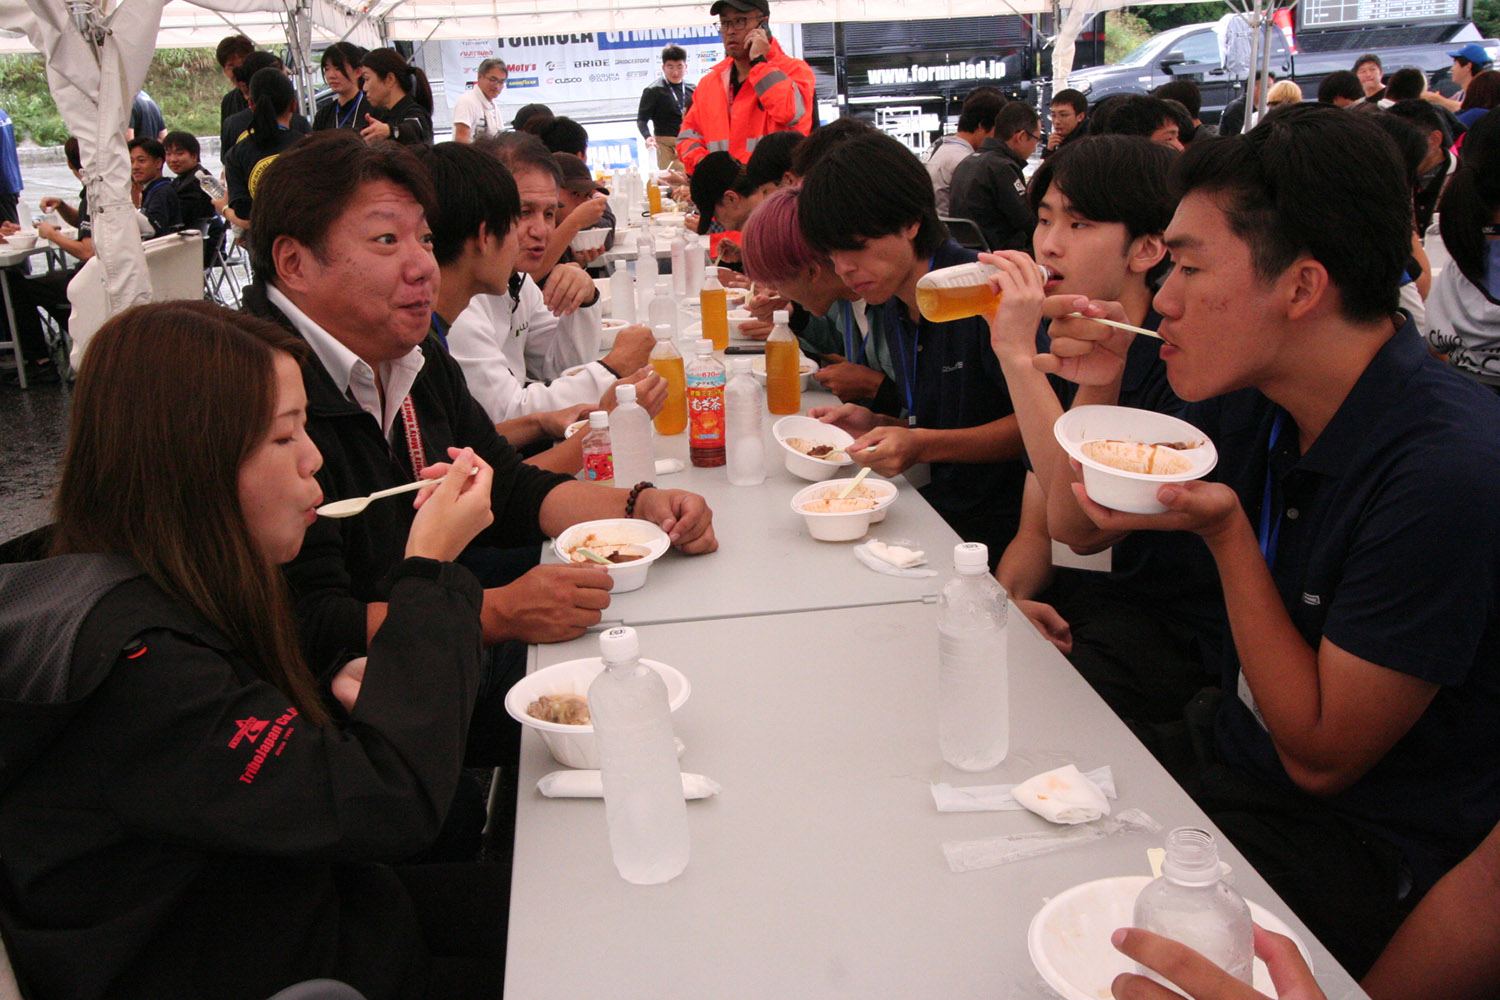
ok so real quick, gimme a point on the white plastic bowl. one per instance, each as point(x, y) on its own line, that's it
point(882, 491)
point(737, 320)
point(1117, 489)
point(1069, 937)
point(845, 527)
point(573, 746)
point(589, 239)
point(618, 530)
point(806, 366)
point(814, 470)
point(674, 219)
point(608, 330)
point(22, 240)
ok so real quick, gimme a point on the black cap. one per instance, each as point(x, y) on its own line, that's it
point(527, 113)
point(715, 173)
point(743, 6)
point(576, 176)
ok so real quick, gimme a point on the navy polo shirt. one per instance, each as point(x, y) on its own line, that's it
point(1388, 546)
point(950, 378)
point(1171, 572)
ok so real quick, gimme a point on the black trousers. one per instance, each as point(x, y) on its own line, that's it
point(1344, 882)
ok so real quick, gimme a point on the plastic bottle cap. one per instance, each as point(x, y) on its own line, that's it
point(663, 331)
point(625, 394)
point(781, 317)
point(710, 271)
point(703, 346)
point(971, 557)
point(739, 366)
point(664, 284)
point(619, 645)
point(598, 418)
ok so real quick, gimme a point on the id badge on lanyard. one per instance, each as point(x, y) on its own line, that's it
point(1269, 535)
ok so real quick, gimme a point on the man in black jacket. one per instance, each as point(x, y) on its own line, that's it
point(341, 255)
point(663, 104)
point(989, 186)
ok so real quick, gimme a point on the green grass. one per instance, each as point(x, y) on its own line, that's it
point(1123, 31)
point(186, 83)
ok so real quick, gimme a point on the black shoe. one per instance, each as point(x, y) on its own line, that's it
point(40, 372)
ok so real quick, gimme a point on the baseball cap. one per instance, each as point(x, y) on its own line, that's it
point(743, 6)
point(1475, 53)
point(715, 174)
point(576, 175)
point(527, 113)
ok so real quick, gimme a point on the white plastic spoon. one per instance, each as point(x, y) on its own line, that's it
point(354, 505)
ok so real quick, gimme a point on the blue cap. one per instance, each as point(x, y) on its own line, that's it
point(1475, 53)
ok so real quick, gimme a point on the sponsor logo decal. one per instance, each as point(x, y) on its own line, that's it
point(273, 739)
point(249, 729)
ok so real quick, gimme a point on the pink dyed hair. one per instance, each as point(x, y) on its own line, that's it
point(774, 248)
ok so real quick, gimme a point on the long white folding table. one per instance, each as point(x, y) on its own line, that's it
point(818, 872)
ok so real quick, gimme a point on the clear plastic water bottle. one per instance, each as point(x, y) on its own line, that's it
point(744, 406)
point(598, 453)
point(694, 259)
point(973, 669)
point(679, 265)
point(663, 308)
point(643, 799)
point(645, 281)
point(622, 292)
point(630, 435)
point(1192, 904)
point(211, 184)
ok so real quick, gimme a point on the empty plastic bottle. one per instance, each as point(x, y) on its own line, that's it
point(744, 411)
point(1192, 904)
point(973, 673)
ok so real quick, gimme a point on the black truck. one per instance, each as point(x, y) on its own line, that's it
point(1329, 35)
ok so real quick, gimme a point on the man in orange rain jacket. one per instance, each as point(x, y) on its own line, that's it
point(758, 89)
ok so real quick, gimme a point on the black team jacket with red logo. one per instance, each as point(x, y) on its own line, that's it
point(169, 826)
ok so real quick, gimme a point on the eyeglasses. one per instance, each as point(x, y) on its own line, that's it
point(728, 24)
point(498, 81)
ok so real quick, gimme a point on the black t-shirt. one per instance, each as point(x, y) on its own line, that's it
point(1387, 544)
point(160, 205)
point(332, 114)
point(233, 103)
point(409, 121)
point(236, 126)
point(245, 162)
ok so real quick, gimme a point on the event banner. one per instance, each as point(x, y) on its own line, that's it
point(586, 67)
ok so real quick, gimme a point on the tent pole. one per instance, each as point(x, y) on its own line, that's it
point(840, 68)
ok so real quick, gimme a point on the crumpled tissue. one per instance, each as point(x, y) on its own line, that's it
point(1062, 795)
point(994, 798)
point(893, 559)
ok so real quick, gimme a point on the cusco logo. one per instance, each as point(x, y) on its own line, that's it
point(565, 79)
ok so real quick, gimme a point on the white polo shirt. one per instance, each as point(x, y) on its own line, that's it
point(479, 113)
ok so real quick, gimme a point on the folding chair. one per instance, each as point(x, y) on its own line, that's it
point(967, 233)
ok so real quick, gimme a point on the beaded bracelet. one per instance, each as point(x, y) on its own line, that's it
point(635, 494)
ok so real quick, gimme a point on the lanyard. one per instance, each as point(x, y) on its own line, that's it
point(909, 370)
point(679, 95)
point(850, 328)
point(414, 449)
point(1270, 527)
point(438, 328)
point(349, 121)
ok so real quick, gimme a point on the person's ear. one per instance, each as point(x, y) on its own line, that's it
point(1305, 285)
point(296, 265)
point(1145, 252)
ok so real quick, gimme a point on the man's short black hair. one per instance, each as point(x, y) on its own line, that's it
point(564, 135)
point(1184, 92)
point(1113, 178)
point(1411, 142)
point(866, 188)
point(185, 141)
point(1340, 83)
point(308, 187)
point(1368, 57)
point(714, 176)
point(528, 112)
point(520, 152)
point(980, 109)
point(1103, 110)
point(1426, 117)
point(151, 146)
point(72, 153)
point(771, 159)
point(825, 138)
point(1405, 84)
point(674, 53)
point(1072, 98)
point(255, 62)
point(471, 189)
point(1135, 114)
point(1017, 116)
point(1312, 180)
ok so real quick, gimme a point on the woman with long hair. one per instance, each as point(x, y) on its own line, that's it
point(402, 99)
point(1463, 309)
point(185, 809)
point(341, 72)
point(1480, 96)
point(273, 101)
